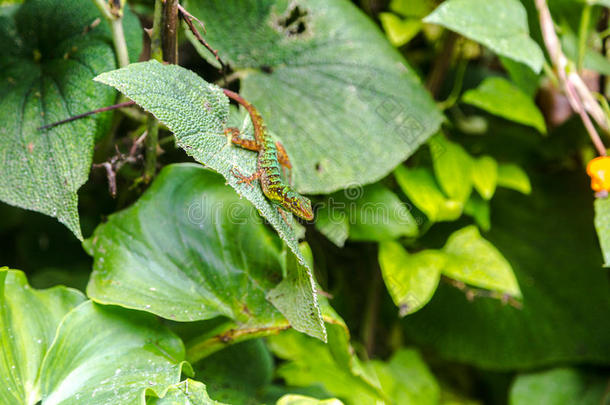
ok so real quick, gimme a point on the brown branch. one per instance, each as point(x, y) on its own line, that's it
point(169, 33)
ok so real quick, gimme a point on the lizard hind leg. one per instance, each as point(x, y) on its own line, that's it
point(235, 136)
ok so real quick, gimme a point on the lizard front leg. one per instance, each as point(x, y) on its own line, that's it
point(246, 179)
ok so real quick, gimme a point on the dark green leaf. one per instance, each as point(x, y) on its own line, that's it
point(341, 98)
point(229, 381)
point(45, 76)
point(507, 36)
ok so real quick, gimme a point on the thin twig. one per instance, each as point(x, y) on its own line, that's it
point(188, 19)
point(473, 293)
point(83, 115)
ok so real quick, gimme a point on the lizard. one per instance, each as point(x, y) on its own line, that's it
point(271, 155)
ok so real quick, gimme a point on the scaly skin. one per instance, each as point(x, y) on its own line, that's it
point(271, 156)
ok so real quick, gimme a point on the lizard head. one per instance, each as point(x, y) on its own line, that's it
point(298, 205)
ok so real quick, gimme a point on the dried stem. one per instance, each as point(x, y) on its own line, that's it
point(580, 98)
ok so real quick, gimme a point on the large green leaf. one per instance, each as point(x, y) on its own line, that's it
point(59, 352)
point(500, 97)
point(602, 225)
point(475, 261)
point(341, 98)
point(45, 76)
point(197, 113)
point(28, 321)
point(191, 249)
point(411, 279)
point(558, 387)
point(507, 36)
point(566, 296)
point(107, 355)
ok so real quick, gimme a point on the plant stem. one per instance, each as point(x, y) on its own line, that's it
point(155, 34)
point(152, 140)
point(580, 98)
point(169, 36)
point(115, 18)
point(585, 19)
point(120, 46)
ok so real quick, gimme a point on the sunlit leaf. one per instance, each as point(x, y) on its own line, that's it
point(507, 36)
point(421, 188)
point(485, 176)
point(411, 279)
point(513, 177)
point(452, 167)
point(28, 321)
point(498, 96)
point(475, 261)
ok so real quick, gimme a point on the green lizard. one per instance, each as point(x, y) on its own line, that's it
point(271, 155)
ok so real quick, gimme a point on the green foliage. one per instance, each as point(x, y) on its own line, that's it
point(45, 75)
point(193, 271)
point(507, 36)
point(462, 272)
point(498, 96)
point(566, 296)
point(330, 91)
